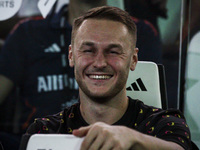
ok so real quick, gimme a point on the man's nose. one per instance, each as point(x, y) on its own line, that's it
point(100, 61)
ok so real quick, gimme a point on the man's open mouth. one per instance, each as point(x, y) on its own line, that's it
point(100, 77)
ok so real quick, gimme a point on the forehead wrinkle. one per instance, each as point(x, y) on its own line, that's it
point(106, 45)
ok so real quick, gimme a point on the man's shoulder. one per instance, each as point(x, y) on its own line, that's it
point(48, 124)
point(51, 123)
point(27, 23)
point(146, 113)
point(144, 26)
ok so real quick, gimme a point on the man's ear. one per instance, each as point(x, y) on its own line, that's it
point(70, 57)
point(134, 59)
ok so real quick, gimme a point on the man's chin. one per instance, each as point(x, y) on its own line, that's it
point(101, 97)
point(99, 94)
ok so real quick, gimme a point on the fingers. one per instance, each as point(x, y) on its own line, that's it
point(107, 145)
point(81, 132)
point(104, 137)
point(91, 141)
point(96, 143)
point(93, 137)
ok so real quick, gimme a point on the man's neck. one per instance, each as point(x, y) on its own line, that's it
point(78, 7)
point(108, 112)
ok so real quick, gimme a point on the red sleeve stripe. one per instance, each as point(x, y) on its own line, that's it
point(147, 23)
point(25, 20)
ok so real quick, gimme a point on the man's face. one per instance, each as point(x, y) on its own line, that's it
point(102, 54)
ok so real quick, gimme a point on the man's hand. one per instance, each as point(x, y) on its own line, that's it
point(105, 137)
point(101, 136)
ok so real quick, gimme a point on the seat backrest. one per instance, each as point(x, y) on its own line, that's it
point(54, 142)
point(144, 84)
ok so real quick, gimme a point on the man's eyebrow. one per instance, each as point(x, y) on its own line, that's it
point(87, 43)
point(115, 46)
point(110, 46)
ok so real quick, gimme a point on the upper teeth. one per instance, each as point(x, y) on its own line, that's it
point(100, 76)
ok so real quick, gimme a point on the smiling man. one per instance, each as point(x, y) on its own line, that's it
point(102, 52)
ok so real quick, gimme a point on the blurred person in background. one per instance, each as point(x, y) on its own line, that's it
point(34, 72)
point(148, 11)
point(28, 9)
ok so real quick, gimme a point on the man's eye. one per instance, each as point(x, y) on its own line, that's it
point(87, 51)
point(114, 52)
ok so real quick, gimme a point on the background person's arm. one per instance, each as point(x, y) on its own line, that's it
point(6, 86)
